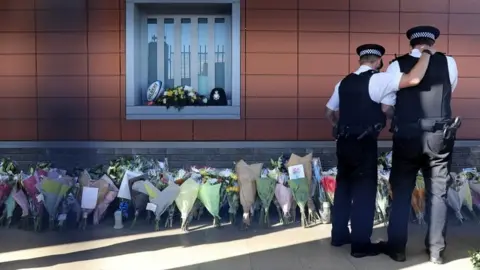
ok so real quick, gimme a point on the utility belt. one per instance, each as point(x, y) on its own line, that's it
point(448, 126)
point(357, 131)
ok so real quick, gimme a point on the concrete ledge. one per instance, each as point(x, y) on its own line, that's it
point(195, 144)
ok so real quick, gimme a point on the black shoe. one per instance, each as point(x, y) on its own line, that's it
point(396, 255)
point(368, 251)
point(434, 259)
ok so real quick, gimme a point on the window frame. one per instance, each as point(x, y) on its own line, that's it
point(134, 76)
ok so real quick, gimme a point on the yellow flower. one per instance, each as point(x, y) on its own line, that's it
point(234, 177)
point(175, 92)
point(169, 93)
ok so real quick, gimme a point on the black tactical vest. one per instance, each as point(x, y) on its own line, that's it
point(357, 110)
point(428, 100)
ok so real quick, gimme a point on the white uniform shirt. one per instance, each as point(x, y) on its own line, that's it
point(452, 67)
point(382, 88)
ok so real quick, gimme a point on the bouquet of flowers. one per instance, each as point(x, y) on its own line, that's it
point(54, 190)
point(8, 180)
point(475, 200)
point(93, 193)
point(202, 175)
point(418, 199)
point(161, 200)
point(232, 189)
point(383, 197)
point(185, 200)
point(181, 96)
point(140, 198)
point(9, 207)
point(283, 195)
point(324, 211)
point(209, 195)
point(124, 192)
point(247, 174)
point(69, 205)
point(299, 185)
point(329, 183)
point(21, 199)
point(112, 192)
point(266, 192)
point(35, 198)
point(306, 162)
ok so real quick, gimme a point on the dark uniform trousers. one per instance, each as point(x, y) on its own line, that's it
point(356, 191)
point(432, 154)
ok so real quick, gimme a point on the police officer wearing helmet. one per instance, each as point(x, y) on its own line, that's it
point(423, 139)
point(357, 110)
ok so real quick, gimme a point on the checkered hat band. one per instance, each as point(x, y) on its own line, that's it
point(370, 51)
point(422, 35)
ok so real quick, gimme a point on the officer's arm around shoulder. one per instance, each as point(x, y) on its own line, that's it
point(415, 76)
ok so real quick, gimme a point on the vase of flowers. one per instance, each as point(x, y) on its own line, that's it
point(179, 97)
point(475, 259)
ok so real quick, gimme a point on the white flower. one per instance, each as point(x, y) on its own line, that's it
point(164, 101)
point(188, 88)
point(191, 94)
point(205, 100)
point(225, 173)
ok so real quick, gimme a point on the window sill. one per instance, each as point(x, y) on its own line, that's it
point(187, 113)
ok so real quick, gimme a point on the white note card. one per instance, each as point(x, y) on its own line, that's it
point(89, 197)
point(62, 217)
point(296, 172)
point(151, 207)
point(40, 198)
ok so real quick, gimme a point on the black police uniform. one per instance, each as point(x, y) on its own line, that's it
point(421, 115)
point(361, 119)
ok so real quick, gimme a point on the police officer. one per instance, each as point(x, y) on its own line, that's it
point(423, 140)
point(362, 98)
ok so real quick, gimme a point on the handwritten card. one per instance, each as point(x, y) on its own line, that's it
point(296, 172)
point(89, 197)
point(151, 207)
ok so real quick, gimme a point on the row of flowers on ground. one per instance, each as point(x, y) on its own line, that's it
point(134, 187)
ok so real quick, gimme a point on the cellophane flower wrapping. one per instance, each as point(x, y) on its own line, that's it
point(301, 194)
point(124, 192)
point(5, 187)
point(232, 190)
point(209, 195)
point(284, 194)
point(162, 199)
point(473, 178)
point(22, 201)
point(210, 175)
point(34, 200)
point(247, 174)
point(383, 198)
point(306, 161)
point(329, 183)
point(54, 190)
point(86, 181)
point(457, 194)
point(186, 198)
point(476, 200)
point(110, 196)
point(418, 199)
point(10, 204)
point(266, 192)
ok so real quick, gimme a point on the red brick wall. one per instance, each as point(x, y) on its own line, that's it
point(62, 66)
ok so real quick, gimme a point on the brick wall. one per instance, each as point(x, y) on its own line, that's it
point(62, 66)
